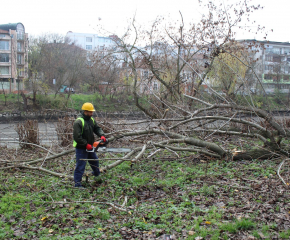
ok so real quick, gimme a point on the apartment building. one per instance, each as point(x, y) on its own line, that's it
point(90, 41)
point(272, 65)
point(13, 56)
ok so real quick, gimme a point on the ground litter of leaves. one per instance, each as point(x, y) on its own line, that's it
point(182, 198)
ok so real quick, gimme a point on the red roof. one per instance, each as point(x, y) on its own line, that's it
point(3, 31)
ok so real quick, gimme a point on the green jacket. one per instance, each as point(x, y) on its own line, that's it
point(84, 135)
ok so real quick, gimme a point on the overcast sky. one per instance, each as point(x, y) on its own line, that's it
point(61, 16)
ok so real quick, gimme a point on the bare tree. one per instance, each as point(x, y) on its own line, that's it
point(182, 57)
point(54, 57)
point(204, 123)
point(102, 71)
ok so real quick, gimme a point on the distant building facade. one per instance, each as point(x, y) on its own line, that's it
point(90, 41)
point(13, 56)
point(273, 63)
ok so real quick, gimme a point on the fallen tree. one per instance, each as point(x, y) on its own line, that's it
point(183, 118)
point(191, 135)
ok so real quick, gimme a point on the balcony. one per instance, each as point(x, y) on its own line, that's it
point(21, 74)
point(5, 63)
point(20, 50)
point(4, 71)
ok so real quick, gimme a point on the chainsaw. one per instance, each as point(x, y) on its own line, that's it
point(101, 147)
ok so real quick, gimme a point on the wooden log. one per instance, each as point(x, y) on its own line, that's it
point(255, 154)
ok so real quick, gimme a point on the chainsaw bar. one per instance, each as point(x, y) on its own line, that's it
point(113, 150)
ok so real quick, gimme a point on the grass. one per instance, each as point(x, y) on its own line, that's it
point(163, 197)
point(124, 101)
point(61, 102)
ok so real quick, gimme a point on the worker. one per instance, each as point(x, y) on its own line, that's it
point(83, 135)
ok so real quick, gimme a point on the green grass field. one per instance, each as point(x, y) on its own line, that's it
point(62, 102)
point(125, 102)
point(188, 197)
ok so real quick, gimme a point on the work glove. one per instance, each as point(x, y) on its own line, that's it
point(89, 147)
point(103, 138)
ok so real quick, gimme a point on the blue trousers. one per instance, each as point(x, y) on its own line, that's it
point(81, 164)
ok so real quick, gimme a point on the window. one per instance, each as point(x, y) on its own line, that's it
point(19, 58)
point(277, 59)
point(269, 58)
point(89, 47)
point(286, 86)
point(2, 35)
point(276, 50)
point(4, 45)
point(4, 57)
point(4, 70)
point(19, 28)
point(19, 47)
point(286, 78)
point(269, 67)
point(286, 51)
point(155, 86)
point(20, 36)
point(89, 39)
point(20, 72)
point(269, 49)
point(268, 77)
point(145, 74)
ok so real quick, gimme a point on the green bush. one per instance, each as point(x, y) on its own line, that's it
point(51, 102)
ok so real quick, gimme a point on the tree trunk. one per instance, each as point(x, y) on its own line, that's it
point(24, 100)
point(254, 154)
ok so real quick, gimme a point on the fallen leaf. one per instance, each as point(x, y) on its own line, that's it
point(191, 233)
point(18, 233)
point(250, 237)
point(44, 219)
point(50, 230)
point(198, 238)
point(208, 222)
point(261, 235)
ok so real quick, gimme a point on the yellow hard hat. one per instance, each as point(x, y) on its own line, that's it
point(88, 107)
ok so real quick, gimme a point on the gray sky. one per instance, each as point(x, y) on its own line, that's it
point(61, 16)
